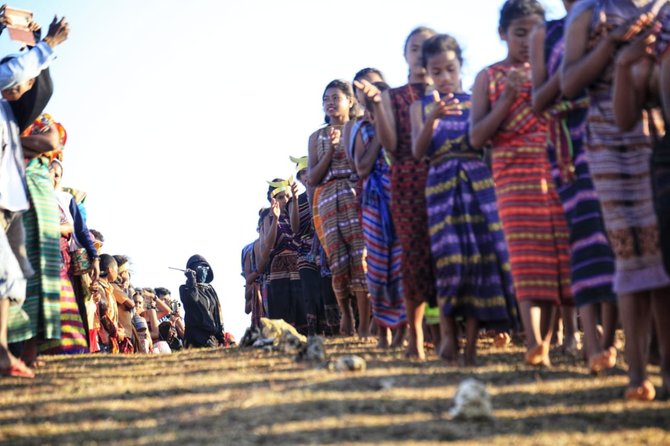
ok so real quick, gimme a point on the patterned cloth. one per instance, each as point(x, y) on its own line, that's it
point(43, 246)
point(381, 243)
point(469, 250)
point(408, 202)
point(73, 336)
point(310, 279)
point(285, 300)
point(591, 257)
point(336, 221)
point(529, 207)
point(619, 165)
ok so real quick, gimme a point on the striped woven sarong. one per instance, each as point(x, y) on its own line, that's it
point(73, 336)
point(337, 224)
point(42, 224)
point(591, 257)
point(382, 245)
point(531, 213)
point(471, 261)
point(619, 165)
point(408, 202)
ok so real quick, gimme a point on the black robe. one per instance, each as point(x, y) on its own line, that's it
point(204, 325)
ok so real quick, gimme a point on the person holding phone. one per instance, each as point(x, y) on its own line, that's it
point(17, 78)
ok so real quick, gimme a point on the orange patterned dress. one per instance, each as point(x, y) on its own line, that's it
point(530, 210)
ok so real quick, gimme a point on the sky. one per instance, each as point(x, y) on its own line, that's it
point(178, 112)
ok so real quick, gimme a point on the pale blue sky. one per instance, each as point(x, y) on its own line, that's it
point(178, 112)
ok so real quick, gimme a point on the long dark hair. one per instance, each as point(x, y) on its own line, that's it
point(514, 9)
point(438, 44)
point(344, 87)
point(414, 32)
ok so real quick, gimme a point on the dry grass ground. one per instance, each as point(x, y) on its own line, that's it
point(241, 397)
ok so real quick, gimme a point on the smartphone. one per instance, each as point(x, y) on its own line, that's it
point(18, 24)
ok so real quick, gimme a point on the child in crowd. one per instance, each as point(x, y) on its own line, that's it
point(469, 251)
point(591, 257)
point(285, 300)
point(383, 247)
point(619, 161)
point(408, 180)
point(530, 211)
point(303, 230)
point(336, 207)
point(112, 335)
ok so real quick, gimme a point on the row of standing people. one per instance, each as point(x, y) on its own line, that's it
point(569, 145)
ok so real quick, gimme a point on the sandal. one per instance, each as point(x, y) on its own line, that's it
point(644, 392)
point(18, 369)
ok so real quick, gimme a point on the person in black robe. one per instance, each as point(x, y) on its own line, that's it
point(204, 323)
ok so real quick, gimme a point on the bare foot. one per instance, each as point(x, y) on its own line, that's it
point(538, 356)
point(346, 326)
point(603, 360)
point(415, 351)
point(448, 353)
point(383, 337)
point(643, 392)
point(399, 337)
point(471, 361)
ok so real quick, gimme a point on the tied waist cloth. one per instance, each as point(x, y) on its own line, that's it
point(444, 154)
point(559, 135)
point(373, 193)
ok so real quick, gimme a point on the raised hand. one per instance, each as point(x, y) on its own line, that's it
point(334, 135)
point(447, 106)
point(515, 80)
point(294, 190)
point(59, 30)
point(640, 47)
point(274, 208)
point(369, 90)
point(190, 276)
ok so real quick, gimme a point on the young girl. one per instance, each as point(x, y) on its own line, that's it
point(285, 300)
point(381, 242)
point(336, 209)
point(408, 180)
point(467, 243)
point(530, 210)
point(591, 257)
point(619, 164)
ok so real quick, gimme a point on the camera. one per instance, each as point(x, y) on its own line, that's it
point(174, 306)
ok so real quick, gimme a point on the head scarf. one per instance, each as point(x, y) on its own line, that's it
point(43, 124)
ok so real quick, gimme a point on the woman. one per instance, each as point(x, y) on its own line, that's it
point(408, 180)
point(285, 299)
point(591, 257)
point(73, 337)
point(336, 207)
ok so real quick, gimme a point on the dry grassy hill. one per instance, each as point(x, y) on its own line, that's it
point(237, 396)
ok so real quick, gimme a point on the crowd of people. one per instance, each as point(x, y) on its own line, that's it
point(538, 203)
point(59, 292)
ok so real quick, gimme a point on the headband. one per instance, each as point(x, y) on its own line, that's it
point(300, 163)
point(280, 186)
